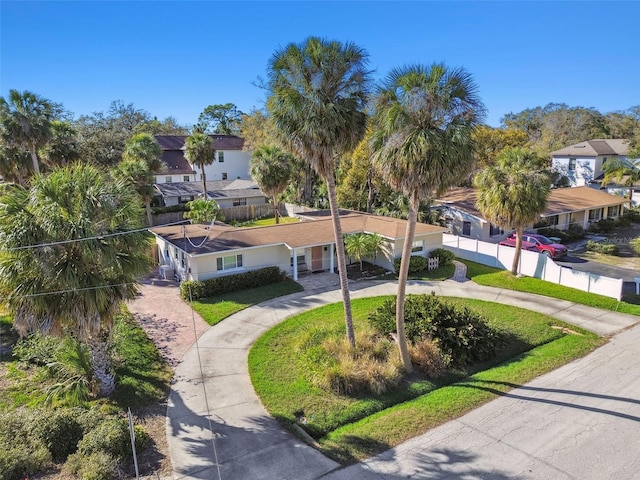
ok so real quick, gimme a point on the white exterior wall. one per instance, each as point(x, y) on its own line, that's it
point(228, 202)
point(235, 165)
point(204, 266)
point(584, 172)
point(430, 241)
point(176, 177)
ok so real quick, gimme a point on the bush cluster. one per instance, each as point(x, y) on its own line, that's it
point(606, 248)
point(198, 289)
point(416, 264)
point(173, 208)
point(461, 334)
point(571, 234)
point(635, 245)
point(445, 257)
point(605, 225)
point(90, 442)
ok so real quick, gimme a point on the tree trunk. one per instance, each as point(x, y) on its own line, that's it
point(516, 257)
point(34, 159)
point(403, 274)
point(369, 195)
point(147, 206)
point(275, 209)
point(308, 186)
point(342, 262)
point(99, 347)
point(204, 183)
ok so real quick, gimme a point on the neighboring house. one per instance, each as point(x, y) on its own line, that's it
point(231, 162)
point(565, 206)
point(583, 164)
point(227, 193)
point(195, 252)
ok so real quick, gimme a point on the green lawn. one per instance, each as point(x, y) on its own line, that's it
point(437, 275)
point(350, 428)
point(217, 308)
point(494, 277)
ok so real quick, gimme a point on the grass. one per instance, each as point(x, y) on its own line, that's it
point(493, 277)
point(350, 428)
point(437, 275)
point(263, 222)
point(217, 308)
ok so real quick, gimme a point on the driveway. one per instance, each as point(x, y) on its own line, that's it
point(603, 269)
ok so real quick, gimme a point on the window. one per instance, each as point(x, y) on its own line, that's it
point(182, 259)
point(239, 201)
point(553, 220)
point(185, 178)
point(185, 199)
point(613, 211)
point(466, 229)
point(301, 259)
point(417, 246)
point(224, 175)
point(595, 214)
point(229, 263)
point(604, 160)
point(167, 179)
point(572, 164)
point(221, 157)
point(494, 230)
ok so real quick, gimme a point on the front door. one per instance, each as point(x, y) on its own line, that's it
point(316, 259)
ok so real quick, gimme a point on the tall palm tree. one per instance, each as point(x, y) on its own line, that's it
point(271, 168)
point(513, 192)
point(66, 263)
point(318, 91)
point(626, 170)
point(199, 151)
point(26, 119)
point(422, 124)
point(142, 158)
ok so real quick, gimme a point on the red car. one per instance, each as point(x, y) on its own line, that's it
point(540, 244)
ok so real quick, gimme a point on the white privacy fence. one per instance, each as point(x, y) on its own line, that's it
point(532, 264)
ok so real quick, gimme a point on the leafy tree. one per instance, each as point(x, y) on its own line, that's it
point(271, 168)
point(625, 170)
point(256, 128)
point(15, 164)
point(223, 119)
point(26, 122)
point(62, 148)
point(318, 91)
point(490, 142)
point(70, 253)
point(199, 151)
point(422, 126)
point(513, 193)
point(203, 211)
point(168, 126)
point(356, 178)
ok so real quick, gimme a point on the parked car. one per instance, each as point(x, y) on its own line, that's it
point(540, 243)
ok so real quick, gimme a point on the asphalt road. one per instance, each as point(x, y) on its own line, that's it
point(603, 269)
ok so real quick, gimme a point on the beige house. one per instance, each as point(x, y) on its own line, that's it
point(197, 252)
point(565, 206)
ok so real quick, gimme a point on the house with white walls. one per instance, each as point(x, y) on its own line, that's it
point(199, 252)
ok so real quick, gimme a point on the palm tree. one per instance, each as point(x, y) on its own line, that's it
point(423, 119)
point(318, 93)
point(271, 168)
point(203, 211)
point(625, 170)
point(199, 151)
point(26, 119)
point(359, 245)
point(513, 192)
point(142, 158)
point(69, 255)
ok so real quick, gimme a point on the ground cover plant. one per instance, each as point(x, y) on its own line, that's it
point(218, 307)
point(494, 277)
point(71, 430)
point(288, 365)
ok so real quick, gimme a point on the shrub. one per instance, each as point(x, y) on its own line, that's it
point(461, 334)
point(575, 232)
point(623, 220)
point(635, 245)
point(416, 264)
point(606, 248)
point(59, 431)
point(95, 466)
point(444, 256)
point(605, 225)
point(171, 209)
point(22, 453)
point(554, 232)
point(36, 349)
point(426, 355)
point(229, 283)
point(110, 436)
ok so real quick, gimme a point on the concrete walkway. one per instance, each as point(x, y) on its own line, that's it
point(219, 430)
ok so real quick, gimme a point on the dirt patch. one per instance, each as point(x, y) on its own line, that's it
point(565, 330)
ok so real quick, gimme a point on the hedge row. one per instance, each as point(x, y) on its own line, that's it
point(606, 248)
point(197, 289)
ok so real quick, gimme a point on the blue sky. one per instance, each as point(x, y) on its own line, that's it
point(175, 58)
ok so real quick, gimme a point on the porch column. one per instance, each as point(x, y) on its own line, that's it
point(585, 223)
point(295, 264)
point(331, 268)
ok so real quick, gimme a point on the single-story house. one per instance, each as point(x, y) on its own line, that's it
point(230, 163)
point(565, 206)
point(227, 193)
point(195, 252)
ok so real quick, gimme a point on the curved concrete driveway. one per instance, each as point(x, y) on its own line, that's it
point(217, 428)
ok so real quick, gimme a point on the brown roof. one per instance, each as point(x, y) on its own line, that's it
point(294, 235)
point(561, 200)
point(593, 148)
point(220, 142)
point(175, 163)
